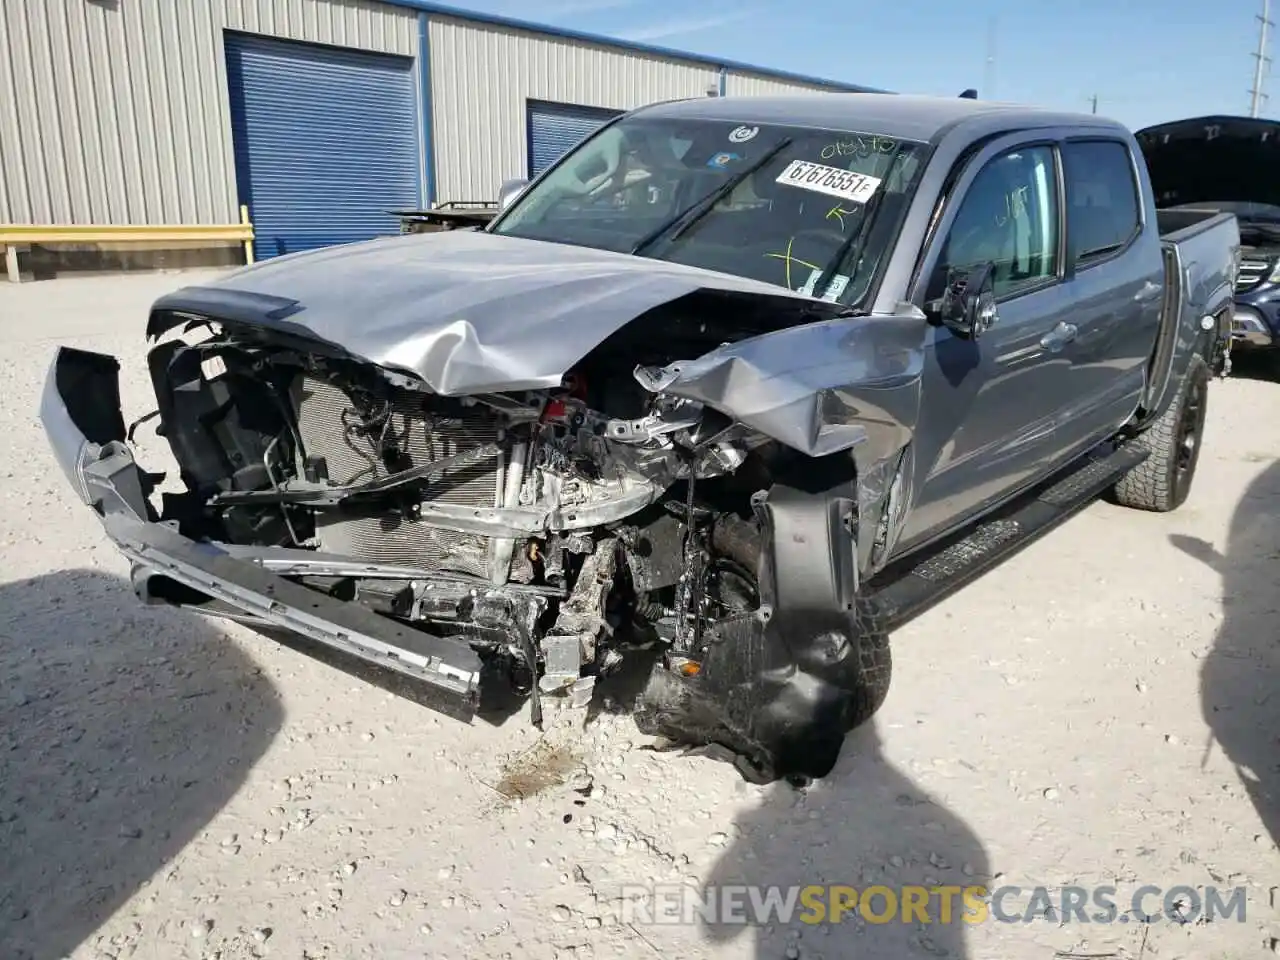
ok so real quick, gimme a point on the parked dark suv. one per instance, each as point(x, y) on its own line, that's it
point(1231, 164)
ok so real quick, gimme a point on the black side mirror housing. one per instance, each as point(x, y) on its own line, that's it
point(967, 306)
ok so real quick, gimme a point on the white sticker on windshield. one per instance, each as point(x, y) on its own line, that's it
point(835, 287)
point(833, 181)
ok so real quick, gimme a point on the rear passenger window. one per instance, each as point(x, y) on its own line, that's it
point(1102, 199)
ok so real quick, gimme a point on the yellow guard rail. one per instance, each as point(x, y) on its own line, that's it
point(17, 236)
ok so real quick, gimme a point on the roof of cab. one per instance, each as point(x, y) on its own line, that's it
point(901, 116)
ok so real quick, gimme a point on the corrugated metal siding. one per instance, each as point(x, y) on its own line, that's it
point(481, 77)
point(326, 141)
point(118, 113)
point(748, 85)
point(343, 23)
point(555, 129)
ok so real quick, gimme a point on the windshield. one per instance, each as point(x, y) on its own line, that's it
point(811, 210)
point(1243, 209)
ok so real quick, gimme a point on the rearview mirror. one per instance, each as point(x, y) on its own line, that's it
point(968, 305)
point(508, 192)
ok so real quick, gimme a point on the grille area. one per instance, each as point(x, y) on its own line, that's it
point(1252, 272)
point(324, 423)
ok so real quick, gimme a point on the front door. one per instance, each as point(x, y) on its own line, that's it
point(992, 404)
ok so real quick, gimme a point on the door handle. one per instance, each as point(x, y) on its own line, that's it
point(1059, 337)
point(1148, 292)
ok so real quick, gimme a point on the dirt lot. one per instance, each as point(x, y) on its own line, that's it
point(1100, 711)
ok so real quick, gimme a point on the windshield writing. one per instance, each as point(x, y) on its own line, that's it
point(810, 210)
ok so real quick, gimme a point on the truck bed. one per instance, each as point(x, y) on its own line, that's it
point(1201, 250)
point(1170, 224)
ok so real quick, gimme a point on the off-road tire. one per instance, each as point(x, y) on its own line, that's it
point(873, 670)
point(1162, 482)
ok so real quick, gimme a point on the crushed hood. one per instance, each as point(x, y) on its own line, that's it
point(1213, 159)
point(467, 311)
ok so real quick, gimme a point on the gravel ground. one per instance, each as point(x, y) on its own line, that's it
point(1100, 710)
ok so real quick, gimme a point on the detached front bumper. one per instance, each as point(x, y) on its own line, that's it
point(80, 410)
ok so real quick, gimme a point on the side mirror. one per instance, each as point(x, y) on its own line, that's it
point(508, 192)
point(968, 305)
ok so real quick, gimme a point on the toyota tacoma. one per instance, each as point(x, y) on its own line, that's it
point(731, 391)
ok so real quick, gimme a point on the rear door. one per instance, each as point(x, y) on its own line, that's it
point(991, 405)
point(1115, 273)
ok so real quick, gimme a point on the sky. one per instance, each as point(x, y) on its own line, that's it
point(1146, 61)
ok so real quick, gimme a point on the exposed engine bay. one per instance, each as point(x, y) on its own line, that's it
point(557, 531)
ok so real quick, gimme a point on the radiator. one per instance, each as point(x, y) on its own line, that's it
point(349, 457)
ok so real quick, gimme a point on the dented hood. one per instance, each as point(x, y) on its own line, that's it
point(468, 311)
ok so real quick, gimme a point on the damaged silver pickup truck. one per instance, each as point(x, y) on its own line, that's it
point(737, 386)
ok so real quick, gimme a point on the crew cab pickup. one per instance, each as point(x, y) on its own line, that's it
point(730, 392)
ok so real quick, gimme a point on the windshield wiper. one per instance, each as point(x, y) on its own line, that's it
point(868, 213)
point(687, 218)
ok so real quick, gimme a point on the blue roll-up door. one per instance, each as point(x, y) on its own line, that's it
point(555, 127)
point(326, 141)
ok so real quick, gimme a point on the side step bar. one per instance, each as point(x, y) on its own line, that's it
point(902, 594)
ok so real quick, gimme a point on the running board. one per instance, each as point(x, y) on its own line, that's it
point(920, 583)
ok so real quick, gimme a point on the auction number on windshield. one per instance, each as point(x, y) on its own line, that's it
point(845, 184)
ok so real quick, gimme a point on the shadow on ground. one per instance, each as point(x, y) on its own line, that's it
point(1248, 365)
point(865, 824)
point(123, 731)
point(1240, 678)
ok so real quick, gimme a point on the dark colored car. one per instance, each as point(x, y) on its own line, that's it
point(1230, 164)
point(740, 383)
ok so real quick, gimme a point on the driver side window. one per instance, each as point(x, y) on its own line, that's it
point(1009, 218)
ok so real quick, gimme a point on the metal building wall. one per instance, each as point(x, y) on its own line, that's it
point(482, 75)
point(117, 113)
point(738, 84)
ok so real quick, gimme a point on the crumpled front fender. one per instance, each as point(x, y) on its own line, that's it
point(820, 389)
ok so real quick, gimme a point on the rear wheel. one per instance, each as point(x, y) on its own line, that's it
point(1162, 481)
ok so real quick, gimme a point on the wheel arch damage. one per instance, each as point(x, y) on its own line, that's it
point(819, 389)
point(780, 687)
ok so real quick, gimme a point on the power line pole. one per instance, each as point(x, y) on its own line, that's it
point(1094, 102)
point(1257, 94)
point(989, 72)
